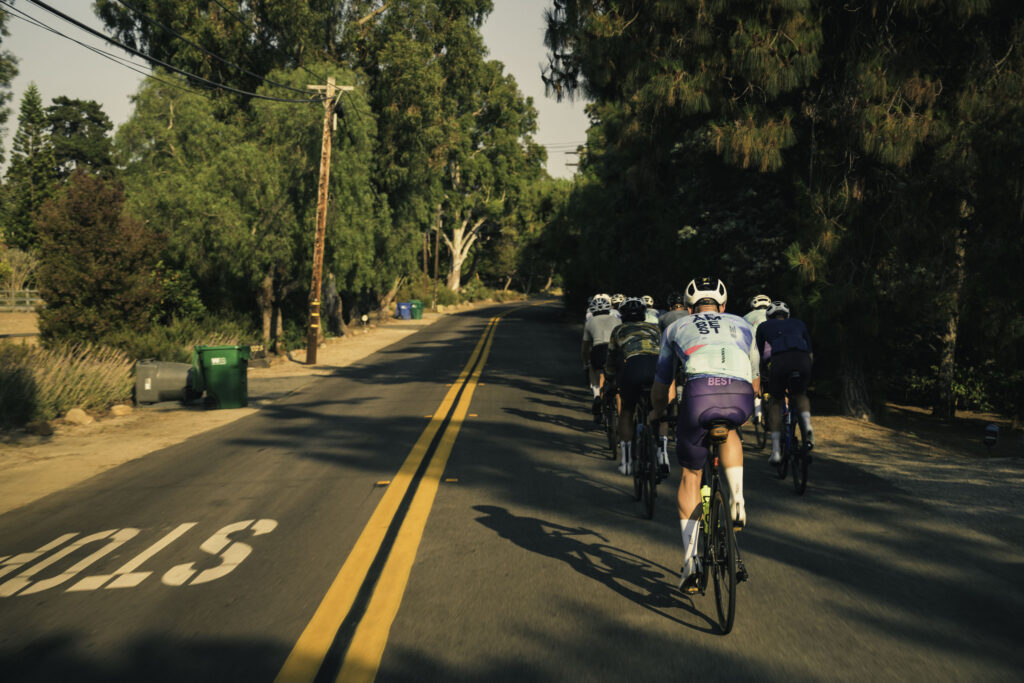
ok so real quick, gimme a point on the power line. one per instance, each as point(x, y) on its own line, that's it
point(171, 67)
point(242, 20)
point(121, 61)
point(204, 50)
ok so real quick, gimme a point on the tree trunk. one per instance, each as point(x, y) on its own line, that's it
point(508, 281)
point(265, 301)
point(945, 399)
point(388, 299)
point(547, 285)
point(855, 400)
point(461, 241)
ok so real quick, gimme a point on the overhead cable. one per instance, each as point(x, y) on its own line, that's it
point(120, 61)
point(174, 33)
point(170, 67)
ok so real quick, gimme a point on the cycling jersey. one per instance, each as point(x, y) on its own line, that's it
point(756, 317)
point(777, 336)
point(631, 339)
point(651, 316)
point(669, 317)
point(598, 329)
point(709, 345)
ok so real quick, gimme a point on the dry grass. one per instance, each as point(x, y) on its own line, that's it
point(40, 384)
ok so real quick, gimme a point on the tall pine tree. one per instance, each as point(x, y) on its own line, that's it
point(31, 177)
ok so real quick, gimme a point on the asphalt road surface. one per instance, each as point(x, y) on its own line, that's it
point(444, 510)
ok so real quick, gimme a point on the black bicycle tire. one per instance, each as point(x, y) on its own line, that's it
point(760, 434)
point(611, 430)
point(799, 470)
point(649, 473)
point(724, 568)
point(638, 482)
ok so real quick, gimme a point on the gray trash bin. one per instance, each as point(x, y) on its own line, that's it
point(157, 381)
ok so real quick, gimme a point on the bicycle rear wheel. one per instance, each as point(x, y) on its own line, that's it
point(760, 433)
point(787, 452)
point(611, 427)
point(799, 470)
point(724, 568)
point(638, 477)
point(649, 470)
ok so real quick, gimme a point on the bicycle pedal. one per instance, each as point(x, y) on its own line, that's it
point(741, 572)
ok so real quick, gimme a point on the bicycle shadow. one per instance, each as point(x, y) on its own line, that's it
point(646, 583)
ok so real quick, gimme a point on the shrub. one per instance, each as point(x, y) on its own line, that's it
point(174, 341)
point(41, 384)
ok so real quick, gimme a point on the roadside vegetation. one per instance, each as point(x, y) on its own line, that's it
point(44, 383)
point(861, 162)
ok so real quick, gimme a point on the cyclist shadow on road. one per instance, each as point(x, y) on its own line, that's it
point(648, 584)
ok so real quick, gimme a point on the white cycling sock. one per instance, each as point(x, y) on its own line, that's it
point(735, 477)
point(689, 528)
point(805, 424)
point(626, 455)
point(596, 389)
point(776, 443)
point(757, 407)
point(663, 453)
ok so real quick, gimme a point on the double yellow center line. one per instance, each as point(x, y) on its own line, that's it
point(385, 551)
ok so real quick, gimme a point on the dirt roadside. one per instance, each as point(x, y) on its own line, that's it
point(32, 467)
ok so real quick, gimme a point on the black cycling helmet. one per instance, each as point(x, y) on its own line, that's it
point(632, 310)
point(676, 299)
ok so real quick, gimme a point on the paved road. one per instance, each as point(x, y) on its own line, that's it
point(502, 547)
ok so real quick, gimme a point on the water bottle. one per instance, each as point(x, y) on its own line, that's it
point(705, 504)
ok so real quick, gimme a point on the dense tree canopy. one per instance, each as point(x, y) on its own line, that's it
point(846, 158)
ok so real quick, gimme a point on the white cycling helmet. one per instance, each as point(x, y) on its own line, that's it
point(706, 287)
point(617, 299)
point(776, 308)
point(648, 300)
point(600, 302)
point(760, 301)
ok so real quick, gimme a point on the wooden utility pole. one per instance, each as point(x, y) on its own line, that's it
point(313, 338)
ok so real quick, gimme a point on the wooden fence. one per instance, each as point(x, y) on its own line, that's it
point(20, 300)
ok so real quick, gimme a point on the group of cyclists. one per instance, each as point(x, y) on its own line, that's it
point(707, 362)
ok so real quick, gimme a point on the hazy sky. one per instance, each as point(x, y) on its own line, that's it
point(514, 33)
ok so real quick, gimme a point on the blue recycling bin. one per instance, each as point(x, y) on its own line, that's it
point(404, 310)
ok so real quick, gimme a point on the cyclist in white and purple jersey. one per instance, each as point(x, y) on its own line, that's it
point(718, 357)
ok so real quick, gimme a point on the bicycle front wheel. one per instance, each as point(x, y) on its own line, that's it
point(724, 567)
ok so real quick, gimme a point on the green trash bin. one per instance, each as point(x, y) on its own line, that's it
point(417, 309)
point(222, 372)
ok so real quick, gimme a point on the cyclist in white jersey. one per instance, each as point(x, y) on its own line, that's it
point(718, 356)
point(596, 333)
point(758, 314)
point(651, 316)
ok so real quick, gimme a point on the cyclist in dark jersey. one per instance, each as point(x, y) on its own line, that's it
point(785, 343)
point(676, 310)
point(632, 354)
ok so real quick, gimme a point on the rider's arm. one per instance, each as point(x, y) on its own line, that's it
point(659, 399)
point(755, 368)
point(588, 343)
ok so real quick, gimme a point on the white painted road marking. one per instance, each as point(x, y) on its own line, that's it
point(126, 576)
point(220, 545)
point(231, 553)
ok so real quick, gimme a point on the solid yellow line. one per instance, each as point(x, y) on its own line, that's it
point(367, 648)
point(306, 657)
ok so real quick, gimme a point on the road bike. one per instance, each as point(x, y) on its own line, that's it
point(795, 457)
point(720, 554)
point(721, 563)
point(760, 431)
point(645, 455)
